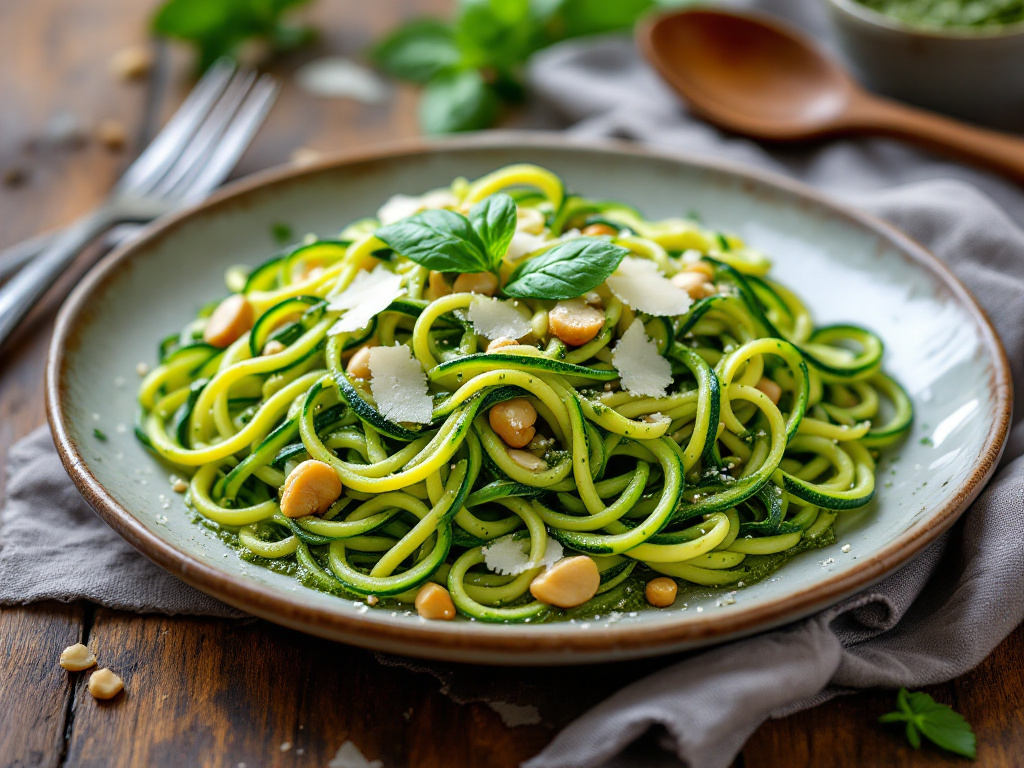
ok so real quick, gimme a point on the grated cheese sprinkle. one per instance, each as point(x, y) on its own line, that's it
point(510, 556)
point(640, 284)
point(399, 385)
point(636, 358)
point(497, 319)
point(400, 207)
point(369, 294)
point(523, 243)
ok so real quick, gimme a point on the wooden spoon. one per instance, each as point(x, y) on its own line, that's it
point(758, 77)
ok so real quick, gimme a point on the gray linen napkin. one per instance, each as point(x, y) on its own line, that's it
point(54, 547)
point(934, 619)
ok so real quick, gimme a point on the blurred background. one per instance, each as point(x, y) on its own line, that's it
point(86, 82)
point(84, 86)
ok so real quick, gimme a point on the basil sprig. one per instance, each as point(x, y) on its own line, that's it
point(494, 220)
point(566, 271)
point(924, 716)
point(447, 241)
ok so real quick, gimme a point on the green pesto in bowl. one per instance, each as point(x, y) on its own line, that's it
point(980, 14)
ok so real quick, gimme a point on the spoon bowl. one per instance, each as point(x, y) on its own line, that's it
point(749, 75)
point(753, 75)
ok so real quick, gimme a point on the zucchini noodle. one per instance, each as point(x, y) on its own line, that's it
point(769, 429)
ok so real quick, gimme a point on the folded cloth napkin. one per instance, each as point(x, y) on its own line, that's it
point(934, 619)
point(87, 560)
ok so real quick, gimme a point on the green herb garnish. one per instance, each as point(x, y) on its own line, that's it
point(943, 13)
point(282, 233)
point(219, 28)
point(568, 270)
point(447, 241)
point(937, 722)
point(99, 434)
point(473, 63)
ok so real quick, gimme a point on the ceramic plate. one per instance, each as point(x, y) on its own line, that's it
point(847, 266)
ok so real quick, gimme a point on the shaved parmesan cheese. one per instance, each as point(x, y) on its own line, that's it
point(350, 756)
point(530, 220)
point(523, 243)
point(552, 554)
point(506, 555)
point(401, 207)
point(640, 284)
point(643, 370)
point(399, 385)
point(497, 319)
point(367, 295)
point(510, 556)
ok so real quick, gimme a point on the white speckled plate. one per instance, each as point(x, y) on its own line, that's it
point(847, 265)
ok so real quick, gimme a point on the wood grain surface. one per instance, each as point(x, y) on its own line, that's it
point(204, 692)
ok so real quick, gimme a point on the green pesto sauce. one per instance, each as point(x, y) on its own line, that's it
point(625, 598)
point(950, 13)
point(629, 596)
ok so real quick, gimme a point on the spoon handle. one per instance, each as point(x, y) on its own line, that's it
point(1000, 152)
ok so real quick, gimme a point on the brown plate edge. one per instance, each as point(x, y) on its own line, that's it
point(523, 645)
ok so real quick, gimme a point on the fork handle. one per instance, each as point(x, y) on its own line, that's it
point(14, 257)
point(25, 288)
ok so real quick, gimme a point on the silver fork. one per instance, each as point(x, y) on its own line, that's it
point(191, 155)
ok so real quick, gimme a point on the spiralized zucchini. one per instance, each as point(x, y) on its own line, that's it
point(770, 427)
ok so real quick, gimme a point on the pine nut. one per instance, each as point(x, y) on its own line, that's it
point(434, 602)
point(499, 343)
point(359, 364)
point(702, 267)
point(527, 460)
point(596, 230)
point(274, 347)
point(483, 283)
point(232, 318)
point(76, 657)
point(310, 489)
point(513, 421)
point(132, 63)
point(694, 283)
point(104, 684)
point(661, 592)
point(438, 285)
point(568, 583)
point(575, 322)
point(770, 388)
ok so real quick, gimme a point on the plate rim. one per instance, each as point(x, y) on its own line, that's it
point(518, 645)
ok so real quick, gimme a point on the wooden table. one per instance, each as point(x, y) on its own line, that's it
point(208, 692)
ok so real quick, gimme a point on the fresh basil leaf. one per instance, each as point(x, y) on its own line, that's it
point(942, 726)
point(936, 722)
point(190, 19)
point(441, 240)
point(291, 38)
point(457, 101)
point(591, 17)
point(913, 736)
point(566, 271)
point(494, 219)
point(282, 233)
point(219, 28)
point(497, 34)
point(417, 51)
